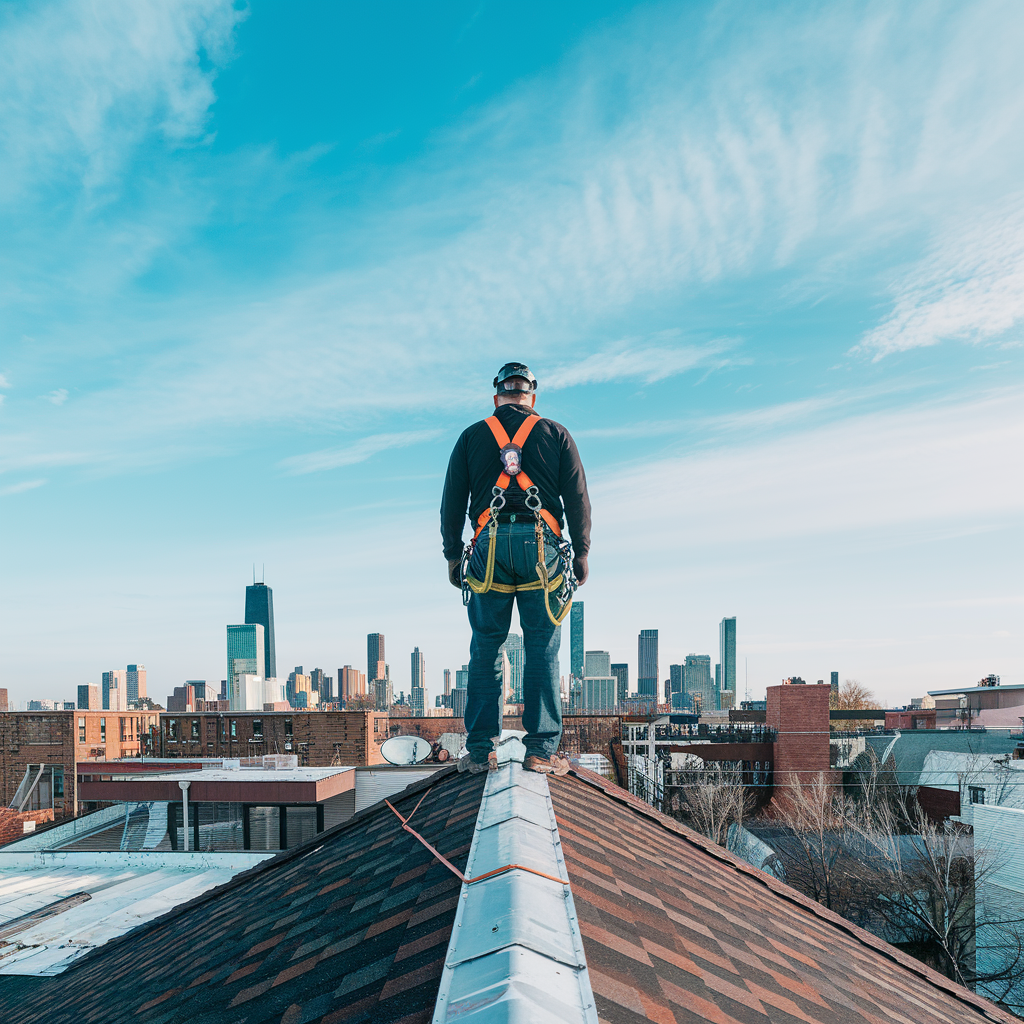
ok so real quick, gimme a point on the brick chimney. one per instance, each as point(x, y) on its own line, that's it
point(800, 714)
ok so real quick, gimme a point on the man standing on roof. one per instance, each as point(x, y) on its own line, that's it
point(519, 475)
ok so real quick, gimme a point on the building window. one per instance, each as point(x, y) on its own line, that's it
point(81, 730)
point(977, 794)
point(103, 730)
point(224, 729)
point(257, 729)
point(234, 728)
point(124, 732)
point(287, 727)
point(195, 728)
point(57, 773)
point(172, 729)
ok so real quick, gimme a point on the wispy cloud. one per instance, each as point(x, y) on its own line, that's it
point(970, 287)
point(4, 383)
point(81, 84)
point(25, 485)
point(360, 451)
point(624, 362)
point(58, 397)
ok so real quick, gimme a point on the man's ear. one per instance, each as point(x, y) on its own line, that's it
point(533, 399)
point(496, 397)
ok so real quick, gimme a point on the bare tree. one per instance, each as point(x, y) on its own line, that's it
point(853, 696)
point(709, 798)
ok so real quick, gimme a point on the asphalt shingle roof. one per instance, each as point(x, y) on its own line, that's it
point(352, 926)
point(675, 929)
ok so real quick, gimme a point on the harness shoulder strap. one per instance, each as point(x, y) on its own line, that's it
point(499, 431)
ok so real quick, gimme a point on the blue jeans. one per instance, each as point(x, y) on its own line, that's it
point(490, 616)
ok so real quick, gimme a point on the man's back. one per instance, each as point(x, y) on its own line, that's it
point(551, 461)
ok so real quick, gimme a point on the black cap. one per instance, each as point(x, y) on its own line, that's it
point(511, 377)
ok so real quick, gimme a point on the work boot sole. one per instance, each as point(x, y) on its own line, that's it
point(554, 765)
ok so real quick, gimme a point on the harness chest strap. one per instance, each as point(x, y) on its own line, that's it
point(501, 436)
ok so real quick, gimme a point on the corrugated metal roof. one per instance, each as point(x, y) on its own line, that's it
point(516, 953)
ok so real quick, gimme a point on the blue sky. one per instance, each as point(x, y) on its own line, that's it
point(260, 265)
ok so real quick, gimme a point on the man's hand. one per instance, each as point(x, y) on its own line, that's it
point(579, 567)
point(455, 572)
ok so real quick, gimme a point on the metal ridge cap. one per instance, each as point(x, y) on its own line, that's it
point(516, 951)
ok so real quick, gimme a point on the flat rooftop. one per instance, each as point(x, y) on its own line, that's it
point(976, 689)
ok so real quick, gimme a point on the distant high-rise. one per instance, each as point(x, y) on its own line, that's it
point(115, 690)
point(5, 705)
point(459, 695)
point(374, 655)
point(647, 663)
point(88, 697)
point(418, 695)
point(316, 683)
point(726, 684)
point(462, 678)
point(697, 681)
point(447, 684)
point(259, 609)
point(621, 672)
point(576, 648)
point(246, 653)
point(135, 681)
point(351, 683)
point(513, 648)
point(835, 684)
point(597, 663)
point(200, 689)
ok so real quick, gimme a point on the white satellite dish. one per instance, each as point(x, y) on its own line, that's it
point(405, 749)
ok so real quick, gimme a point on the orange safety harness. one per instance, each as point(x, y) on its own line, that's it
point(512, 459)
point(511, 453)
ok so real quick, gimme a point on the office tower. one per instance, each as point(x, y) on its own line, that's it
point(514, 650)
point(259, 610)
point(506, 678)
point(383, 695)
point(459, 695)
point(675, 676)
point(183, 699)
point(647, 664)
point(726, 683)
point(834, 684)
point(599, 690)
point(418, 698)
point(327, 689)
point(299, 689)
point(576, 640)
point(135, 682)
point(5, 705)
point(462, 678)
point(447, 683)
point(621, 672)
point(246, 652)
point(697, 681)
point(316, 685)
point(88, 697)
point(351, 683)
point(115, 690)
point(374, 655)
point(597, 663)
point(69, 705)
point(202, 691)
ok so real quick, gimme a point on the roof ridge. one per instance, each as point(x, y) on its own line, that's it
point(791, 895)
point(282, 858)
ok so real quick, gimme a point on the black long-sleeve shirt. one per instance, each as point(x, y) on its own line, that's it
point(550, 460)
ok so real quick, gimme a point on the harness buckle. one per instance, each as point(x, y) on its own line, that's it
point(497, 500)
point(533, 502)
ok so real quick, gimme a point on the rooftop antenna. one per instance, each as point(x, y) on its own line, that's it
point(254, 574)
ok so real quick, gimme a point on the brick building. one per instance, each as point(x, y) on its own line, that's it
point(319, 738)
point(800, 713)
point(910, 718)
point(60, 739)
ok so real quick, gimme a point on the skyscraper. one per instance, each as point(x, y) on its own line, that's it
point(697, 681)
point(621, 672)
point(115, 690)
point(374, 655)
point(351, 683)
point(246, 651)
point(88, 698)
point(462, 678)
point(834, 685)
point(576, 639)
point(599, 691)
point(647, 664)
point(447, 683)
point(418, 697)
point(513, 648)
point(259, 610)
point(727, 658)
point(135, 682)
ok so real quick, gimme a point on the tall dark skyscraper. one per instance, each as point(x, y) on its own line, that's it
point(621, 672)
point(374, 655)
point(576, 648)
point(259, 610)
point(727, 659)
point(647, 664)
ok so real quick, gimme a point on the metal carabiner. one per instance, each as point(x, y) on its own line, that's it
point(533, 502)
point(497, 500)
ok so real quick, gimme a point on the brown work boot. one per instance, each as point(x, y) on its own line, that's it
point(553, 765)
point(467, 764)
